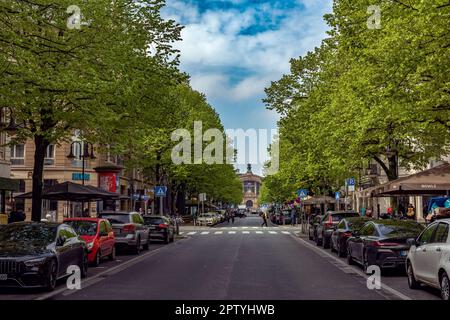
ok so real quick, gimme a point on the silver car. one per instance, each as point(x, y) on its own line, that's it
point(428, 259)
point(129, 229)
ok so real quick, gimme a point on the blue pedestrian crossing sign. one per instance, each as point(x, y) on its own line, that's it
point(337, 195)
point(160, 191)
point(302, 193)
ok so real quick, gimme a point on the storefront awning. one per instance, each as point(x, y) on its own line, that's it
point(434, 181)
point(9, 184)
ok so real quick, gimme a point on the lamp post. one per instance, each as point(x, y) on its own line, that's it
point(87, 152)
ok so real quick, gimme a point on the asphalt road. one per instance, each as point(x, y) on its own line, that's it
point(240, 261)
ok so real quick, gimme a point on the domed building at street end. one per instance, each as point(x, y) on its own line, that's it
point(251, 186)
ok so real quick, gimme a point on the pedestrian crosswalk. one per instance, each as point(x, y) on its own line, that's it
point(240, 232)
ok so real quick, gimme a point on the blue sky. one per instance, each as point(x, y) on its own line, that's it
point(233, 49)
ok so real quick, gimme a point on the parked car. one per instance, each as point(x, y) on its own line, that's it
point(327, 224)
point(206, 219)
point(161, 228)
point(98, 235)
point(129, 230)
point(313, 223)
point(37, 254)
point(343, 231)
point(382, 243)
point(428, 258)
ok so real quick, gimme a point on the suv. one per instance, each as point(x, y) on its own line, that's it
point(129, 229)
point(329, 223)
point(161, 228)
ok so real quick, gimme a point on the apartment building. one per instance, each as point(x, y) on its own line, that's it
point(105, 170)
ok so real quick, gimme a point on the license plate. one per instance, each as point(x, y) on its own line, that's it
point(152, 227)
point(3, 277)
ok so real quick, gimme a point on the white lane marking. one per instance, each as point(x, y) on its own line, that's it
point(218, 232)
point(246, 232)
point(231, 232)
point(192, 233)
point(111, 271)
point(181, 232)
point(205, 232)
point(244, 227)
point(285, 232)
point(259, 232)
point(340, 264)
point(233, 227)
point(255, 227)
point(272, 232)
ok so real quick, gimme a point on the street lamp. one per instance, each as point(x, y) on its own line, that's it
point(86, 150)
point(7, 122)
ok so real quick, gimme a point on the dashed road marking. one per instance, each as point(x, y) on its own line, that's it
point(246, 232)
point(285, 232)
point(231, 232)
point(218, 232)
point(259, 232)
point(192, 233)
point(205, 232)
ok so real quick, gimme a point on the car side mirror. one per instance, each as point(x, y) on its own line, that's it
point(61, 240)
point(411, 242)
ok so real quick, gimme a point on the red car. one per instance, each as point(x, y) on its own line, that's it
point(98, 235)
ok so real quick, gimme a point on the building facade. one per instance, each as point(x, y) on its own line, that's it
point(251, 186)
point(104, 171)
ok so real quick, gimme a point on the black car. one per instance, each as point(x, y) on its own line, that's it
point(37, 254)
point(382, 243)
point(160, 228)
point(313, 223)
point(328, 223)
point(343, 232)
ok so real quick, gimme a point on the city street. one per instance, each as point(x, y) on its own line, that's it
point(240, 262)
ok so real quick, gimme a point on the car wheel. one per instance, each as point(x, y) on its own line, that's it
point(325, 242)
point(412, 282)
point(339, 250)
point(350, 260)
point(84, 265)
point(52, 276)
point(96, 262)
point(445, 290)
point(112, 255)
point(146, 246)
point(137, 248)
point(332, 246)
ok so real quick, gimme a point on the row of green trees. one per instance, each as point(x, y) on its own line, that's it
point(367, 94)
point(111, 73)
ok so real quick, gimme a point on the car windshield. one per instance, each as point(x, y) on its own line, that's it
point(84, 228)
point(340, 216)
point(399, 229)
point(356, 224)
point(28, 234)
point(153, 220)
point(116, 218)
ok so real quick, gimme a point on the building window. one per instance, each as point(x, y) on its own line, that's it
point(2, 146)
point(50, 155)
point(21, 185)
point(18, 154)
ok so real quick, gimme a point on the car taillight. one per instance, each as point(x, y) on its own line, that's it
point(163, 226)
point(129, 228)
point(384, 244)
point(347, 234)
point(329, 223)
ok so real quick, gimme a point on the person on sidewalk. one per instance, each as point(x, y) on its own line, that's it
point(264, 216)
point(293, 217)
point(232, 217)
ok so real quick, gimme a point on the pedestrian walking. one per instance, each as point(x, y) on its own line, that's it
point(293, 217)
point(232, 217)
point(264, 216)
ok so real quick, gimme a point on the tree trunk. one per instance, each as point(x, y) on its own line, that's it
point(41, 145)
